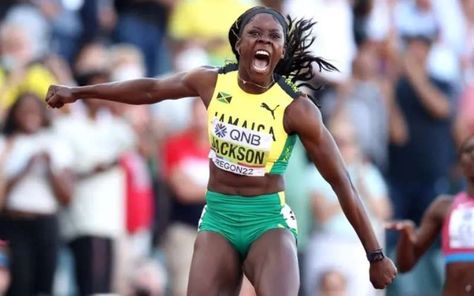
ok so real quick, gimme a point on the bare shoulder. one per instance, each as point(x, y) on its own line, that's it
point(439, 208)
point(302, 114)
point(203, 79)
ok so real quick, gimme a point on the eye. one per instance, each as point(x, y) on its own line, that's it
point(275, 36)
point(254, 33)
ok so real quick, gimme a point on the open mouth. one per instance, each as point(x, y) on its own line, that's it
point(261, 61)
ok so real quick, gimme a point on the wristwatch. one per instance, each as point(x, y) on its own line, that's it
point(375, 256)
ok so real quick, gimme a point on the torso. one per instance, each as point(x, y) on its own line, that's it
point(459, 279)
point(228, 108)
point(458, 246)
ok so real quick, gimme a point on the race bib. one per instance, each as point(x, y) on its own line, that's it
point(239, 150)
point(461, 228)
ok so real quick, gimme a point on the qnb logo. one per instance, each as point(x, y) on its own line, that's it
point(272, 111)
point(220, 130)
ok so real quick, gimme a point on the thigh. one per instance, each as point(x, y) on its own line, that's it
point(215, 268)
point(272, 264)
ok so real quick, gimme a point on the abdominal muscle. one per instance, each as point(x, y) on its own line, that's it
point(232, 184)
point(459, 279)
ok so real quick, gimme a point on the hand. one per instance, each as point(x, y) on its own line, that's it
point(382, 273)
point(59, 95)
point(41, 158)
point(414, 68)
point(405, 227)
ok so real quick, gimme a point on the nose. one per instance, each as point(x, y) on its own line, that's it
point(264, 38)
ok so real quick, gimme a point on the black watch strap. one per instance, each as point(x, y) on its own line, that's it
point(375, 256)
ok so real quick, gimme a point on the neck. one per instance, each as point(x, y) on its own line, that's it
point(470, 187)
point(260, 87)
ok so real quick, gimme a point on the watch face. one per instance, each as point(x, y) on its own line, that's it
point(375, 257)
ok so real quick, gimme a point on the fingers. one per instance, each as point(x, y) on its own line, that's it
point(384, 274)
point(53, 99)
point(398, 224)
point(385, 283)
point(393, 225)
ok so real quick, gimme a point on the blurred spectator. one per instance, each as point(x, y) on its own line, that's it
point(363, 100)
point(416, 17)
point(464, 124)
point(6, 146)
point(39, 181)
point(361, 13)
point(467, 56)
point(297, 195)
point(334, 234)
point(95, 219)
point(4, 267)
point(28, 15)
point(275, 4)
point(98, 19)
point(439, 20)
point(332, 283)
point(334, 32)
point(19, 72)
point(427, 106)
point(93, 57)
point(149, 279)
point(126, 63)
point(5, 5)
point(186, 169)
point(200, 29)
point(143, 23)
point(64, 25)
point(422, 158)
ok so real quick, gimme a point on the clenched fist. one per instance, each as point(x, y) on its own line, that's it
point(59, 95)
point(382, 273)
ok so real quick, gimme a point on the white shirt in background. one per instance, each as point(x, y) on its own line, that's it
point(34, 193)
point(98, 204)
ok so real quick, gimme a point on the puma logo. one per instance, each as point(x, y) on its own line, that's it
point(272, 111)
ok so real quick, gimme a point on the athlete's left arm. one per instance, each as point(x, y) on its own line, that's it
point(304, 118)
point(412, 242)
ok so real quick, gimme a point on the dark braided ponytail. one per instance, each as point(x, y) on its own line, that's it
point(298, 64)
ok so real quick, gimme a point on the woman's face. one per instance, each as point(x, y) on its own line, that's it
point(467, 158)
point(29, 115)
point(345, 138)
point(261, 45)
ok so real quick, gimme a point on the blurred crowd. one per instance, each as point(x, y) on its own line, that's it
point(104, 198)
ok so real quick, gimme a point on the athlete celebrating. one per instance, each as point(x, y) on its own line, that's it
point(255, 113)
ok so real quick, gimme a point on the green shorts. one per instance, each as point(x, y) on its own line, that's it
point(242, 220)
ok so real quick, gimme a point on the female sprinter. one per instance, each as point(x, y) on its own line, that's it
point(254, 114)
point(453, 217)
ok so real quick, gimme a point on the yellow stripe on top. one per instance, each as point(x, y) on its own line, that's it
point(246, 130)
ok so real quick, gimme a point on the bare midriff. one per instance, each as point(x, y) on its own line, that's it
point(233, 184)
point(459, 279)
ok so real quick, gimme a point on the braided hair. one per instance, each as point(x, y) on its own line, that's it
point(298, 63)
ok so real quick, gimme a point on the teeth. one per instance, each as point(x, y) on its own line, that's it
point(262, 52)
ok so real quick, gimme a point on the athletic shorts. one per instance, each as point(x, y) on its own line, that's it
point(242, 220)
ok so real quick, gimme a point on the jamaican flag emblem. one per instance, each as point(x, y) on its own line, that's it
point(223, 97)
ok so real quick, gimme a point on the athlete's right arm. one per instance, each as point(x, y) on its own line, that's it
point(413, 243)
point(199, 82)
